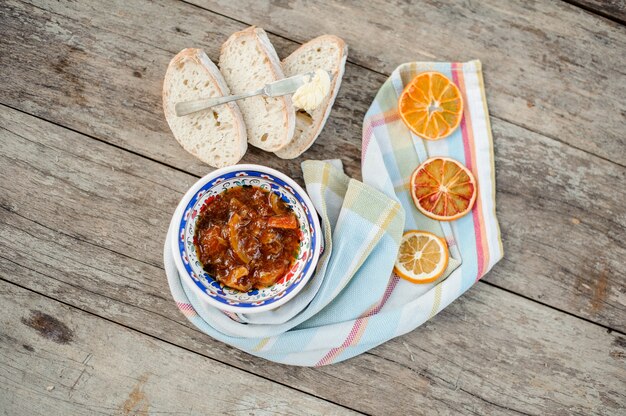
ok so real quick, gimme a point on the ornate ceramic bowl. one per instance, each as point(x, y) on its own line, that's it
point(256, 300)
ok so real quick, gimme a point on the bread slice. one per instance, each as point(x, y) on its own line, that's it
point(324, 52)
point(248, 61)
point(217, 136)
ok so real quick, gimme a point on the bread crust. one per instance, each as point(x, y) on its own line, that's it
point(299, 145)
point(274, 65)
point(218, 82)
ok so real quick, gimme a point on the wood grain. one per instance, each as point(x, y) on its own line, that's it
point(549, 66)
point(556, 191)
point(104, 368)
point(104, 75)
point(536, 197)
point(562, 224)
point(611, 9)
point(83, 222)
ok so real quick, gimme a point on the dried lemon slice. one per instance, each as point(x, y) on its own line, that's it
point(422, 258)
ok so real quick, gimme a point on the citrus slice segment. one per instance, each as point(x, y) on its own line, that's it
point(431, 106)
point(422, 258)
point(443, 189)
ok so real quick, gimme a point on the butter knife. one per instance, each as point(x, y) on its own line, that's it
point(273, 89)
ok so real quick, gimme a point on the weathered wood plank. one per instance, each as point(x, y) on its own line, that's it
point(611, 9)
point(419, 371)
point(103, 255)
point(58, 360)
point(346, 127)
point(550, 67)
point(536, 197)
point(535, 357)
point(562, 223)
point(105, 73)
point(88, 57)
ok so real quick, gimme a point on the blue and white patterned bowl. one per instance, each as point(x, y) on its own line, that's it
point(256, 300)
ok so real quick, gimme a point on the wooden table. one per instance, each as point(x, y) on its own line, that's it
point(90, 175)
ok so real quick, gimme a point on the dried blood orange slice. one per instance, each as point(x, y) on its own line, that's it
point(431, 106)
point(422, 258)
point(443, 189)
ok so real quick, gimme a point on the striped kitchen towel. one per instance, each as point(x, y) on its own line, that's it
point(354, 302)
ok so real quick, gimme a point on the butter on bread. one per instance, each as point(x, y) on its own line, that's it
point(325, 52)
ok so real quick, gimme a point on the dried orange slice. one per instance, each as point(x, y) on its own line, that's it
point(422, 258)
point(431, 106)
point(443, 189)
